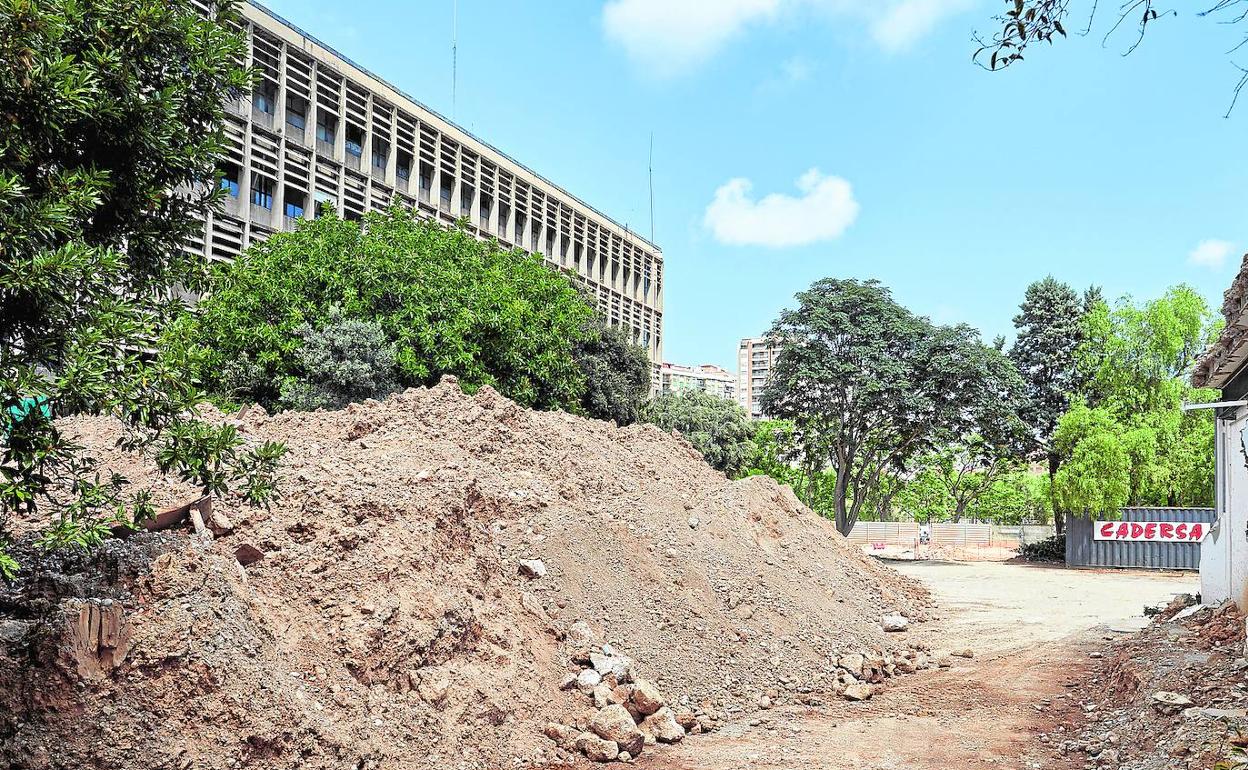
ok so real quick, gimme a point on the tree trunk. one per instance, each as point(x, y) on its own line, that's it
point(1059, 518)
point(843, 524)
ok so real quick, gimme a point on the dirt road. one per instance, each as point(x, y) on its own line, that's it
point(1031, 629)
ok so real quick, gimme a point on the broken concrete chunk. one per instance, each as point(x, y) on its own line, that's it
point(533, 568)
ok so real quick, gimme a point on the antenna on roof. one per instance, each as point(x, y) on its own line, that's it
point(650, 168)
point(454, 51)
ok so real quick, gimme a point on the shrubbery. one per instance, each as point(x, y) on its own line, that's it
point(717, 427)
point(1049, 549)
point(340, 310)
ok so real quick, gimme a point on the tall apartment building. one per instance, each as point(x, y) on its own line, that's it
point(320, 129)
point(754, 360)
point(707, 378)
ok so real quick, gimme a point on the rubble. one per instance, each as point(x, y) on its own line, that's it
point(382, 617)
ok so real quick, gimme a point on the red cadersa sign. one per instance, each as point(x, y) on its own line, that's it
point(1151, 531)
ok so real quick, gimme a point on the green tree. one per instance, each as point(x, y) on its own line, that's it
point(868, 386)
point(1132, 442)
point(1049, 328)
point(717, 427)
point(616, 373)
point(448, 302)
point(111, 132)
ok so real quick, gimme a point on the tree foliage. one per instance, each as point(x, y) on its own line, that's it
point(616, 373)
point(110, 137)
point(717, 427)
point(448, 303)
point(1026, 23)
point(1125, 440)
point(868, 386)
point(1050, 329)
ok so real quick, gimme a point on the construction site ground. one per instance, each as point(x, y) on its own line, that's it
point(1033, 631)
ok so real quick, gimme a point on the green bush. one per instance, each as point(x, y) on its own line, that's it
point(348, 360)
point(717, 427)
point(447, 303)
point(1048, 549)
point(617, 375)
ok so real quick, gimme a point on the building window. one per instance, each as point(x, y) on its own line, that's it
point(444, 192)
point(229, 180)
point(465, 201)
point(325, 203)
point(355, 141)
point(403, 166)
point(264, 98)
point(326, 127)
point(486, 205)
point(296, 113)
point(294, 203)
point(262, 193)
point(380, 154)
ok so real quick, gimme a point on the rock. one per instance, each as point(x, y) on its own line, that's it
point(568, 682)
point(694, 521)
point(895, 623)
point(858, 692)
point(248, 554)
point(14, 631)
point(611, 665)
point(622, 694)
point(602, 696)
point(851, 663)
point(563, 735)
point(596, 749)
point(1170, 702)
point(646, 697)
point(219, 523)
point(533, 568)
point(1231, 715)
point(533, 606)
point(587, 680)
point(624, 756)
point(434, 689)
point(967, 653)
point(663, 726)
point(614, 723)
point(580, 634)
point(764, 702)
point(686, 718)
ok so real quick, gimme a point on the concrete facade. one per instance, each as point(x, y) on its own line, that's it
point(706, 378)
point(754, 361)
point(320, 129)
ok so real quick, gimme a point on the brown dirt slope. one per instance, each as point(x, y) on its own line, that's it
point(387, 624)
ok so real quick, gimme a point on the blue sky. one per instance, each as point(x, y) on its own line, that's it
point(798, 139)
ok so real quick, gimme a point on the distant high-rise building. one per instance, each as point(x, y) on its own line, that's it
point(319, 129)
point(754, 361)
point(707, 378)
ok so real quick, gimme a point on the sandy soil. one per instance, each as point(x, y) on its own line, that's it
point(1031, 629)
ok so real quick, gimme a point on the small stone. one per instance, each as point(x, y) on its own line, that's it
point(1170, 702)
point(596, 749)
point(694, 521)
point(851, 663)
point(568, 682)
point(614, 723)
point(646, 697)
point(587, 680)
point(858, 692)
point(580, 634)
point(533, 568)
point(764, 702)
point(967, 653)
point(663, 726)
point(895, 623)
point(563, 735)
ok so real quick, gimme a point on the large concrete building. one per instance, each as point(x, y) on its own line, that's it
point(754, 360)
point(706, 378)
point(321, 129)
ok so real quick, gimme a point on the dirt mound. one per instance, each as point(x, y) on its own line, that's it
point(1168, 697)
point(385, 619)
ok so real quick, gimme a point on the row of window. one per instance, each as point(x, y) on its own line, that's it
point(262, 192)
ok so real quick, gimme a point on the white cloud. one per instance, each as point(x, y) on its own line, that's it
point(670, 36)
point(822, 212)
point(904, 23)
point(1211, 253)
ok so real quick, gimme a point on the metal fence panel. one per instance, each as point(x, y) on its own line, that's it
point(1082, 550)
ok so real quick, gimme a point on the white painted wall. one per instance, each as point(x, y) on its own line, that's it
point(1224, 554)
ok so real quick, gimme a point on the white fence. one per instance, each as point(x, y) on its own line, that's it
point(962, 534)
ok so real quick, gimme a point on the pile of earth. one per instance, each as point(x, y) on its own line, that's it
point(1172, 696)
point(407, 602)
